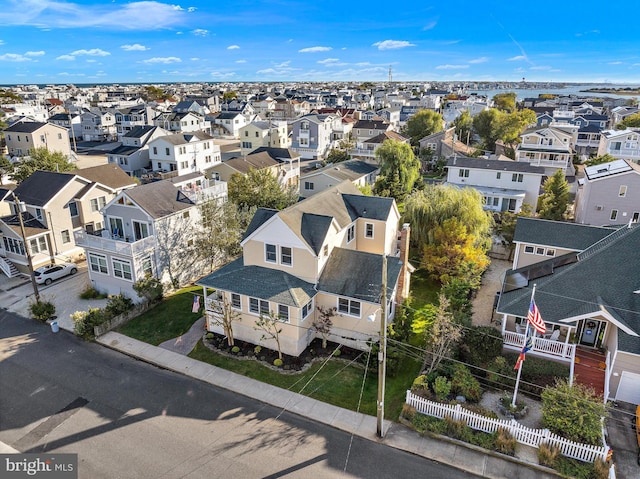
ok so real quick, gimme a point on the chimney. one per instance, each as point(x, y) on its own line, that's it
point(405, 272)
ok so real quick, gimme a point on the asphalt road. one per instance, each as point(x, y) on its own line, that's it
point(127, 419)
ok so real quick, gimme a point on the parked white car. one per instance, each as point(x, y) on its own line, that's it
point(51, 272)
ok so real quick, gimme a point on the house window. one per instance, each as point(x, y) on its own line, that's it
point(517, 177)
point(540, 251)
point(349, 306)
point(246, 144)
point(185, 214)
point(498, 175)
point(283, 313)
point(368, 230)
point(235, 301)
point(147, 266)
point(463, 173)
point(155, 150)
point(325, 250)
point(303, 141)
point(306, 309)
point(636, 215)
point(98, 263)
point(614, 215)
point(66, 237)
point(528, 249)
point(258, 306)
point(14, 245)
point(94, 205)
point(351, 232)
point(270, 253)
point(308, 185)
point(73, 209)
point(39, 213)
point(38, 245)
point(551, 252)
point(286, 255)
point(623, 191)
point(246, 133)
point(121, 269)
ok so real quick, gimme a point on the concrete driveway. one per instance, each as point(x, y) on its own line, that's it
point(16, 295)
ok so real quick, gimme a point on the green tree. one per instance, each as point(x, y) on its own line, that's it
point(7, 96)
point(487, 125)
point(154, 93)
point(5, 168)
point(631, 121)
point(463, 126)
point(573, 412)
point(399, 170)
point(555, 199)
point(439, 331)
point(422, 123)
point(506, 225)
point(505, 101)
point(428, 208)
point(221, 228)
point(337, 155)
point(260, 188)
point(229, 95)
point(512, 124)
point(40, 159)
point(598, 160)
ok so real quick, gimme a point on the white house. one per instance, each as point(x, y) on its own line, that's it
point(184, 153)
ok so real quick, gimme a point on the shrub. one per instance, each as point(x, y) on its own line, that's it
point(86, 320)
point(209, 335)
point(505, 442)
point(480, 345)
point(601, 469)
point(497, 370)
point(548, 454)
point(149, 288)
point(463, 383)
point(118, 304)
point(235, 349)
point(420, 383)
point(92, 293)
point(457, 429)
point(257, 350)
point(574, 469)
point(574, 412)
point(42, 310)
point(337, 353)
point(408, 412)
point(278, 362)
point(442, 388)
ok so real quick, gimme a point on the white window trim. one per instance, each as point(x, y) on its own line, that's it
point(351, 228)
point(309, 307)
point(367, 236)
point(122, 261)
point(275, 252)
point(260, 301)
point(348, 313)
point(101, 256)
point(622, 191)
point(288, 319)
point(288, 265)
point(231, 295)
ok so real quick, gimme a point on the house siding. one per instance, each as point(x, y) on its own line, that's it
point(604, 193)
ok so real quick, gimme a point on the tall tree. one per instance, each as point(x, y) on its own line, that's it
point(506, 225)
point(487, 125)
point(511, 125)
point(260, 188)
point(323, 323)
point(421, 124)
point(598, 160)
point(505, 101)
point(40, 159)
point(399, 170)
point(631, 121)
point(555, 199)
point(464, 126)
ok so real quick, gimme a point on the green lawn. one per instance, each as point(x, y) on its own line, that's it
point(169, 319)
point(424, 290)
point(336, 382)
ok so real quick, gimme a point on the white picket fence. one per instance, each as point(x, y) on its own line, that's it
point(522, 434)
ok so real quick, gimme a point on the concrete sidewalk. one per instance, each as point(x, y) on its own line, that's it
point(447, 451)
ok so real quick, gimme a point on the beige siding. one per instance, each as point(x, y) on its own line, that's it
point(624, 362)
point(526, 259)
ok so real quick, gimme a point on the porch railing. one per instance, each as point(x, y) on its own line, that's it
point(545, 347)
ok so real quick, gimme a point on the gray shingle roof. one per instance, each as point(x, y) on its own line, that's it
point(357, 274)
point(260, 216)
point(603, 279)
point(25, 127)
point(559, 234)
point(159, 199)
point(109, 175)
point(346, 170)
point(497, 165)
point(258, 282)
point(41, 186)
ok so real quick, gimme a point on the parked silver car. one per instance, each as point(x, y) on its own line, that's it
point(51, 272)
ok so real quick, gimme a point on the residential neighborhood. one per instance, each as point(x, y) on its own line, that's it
point(346, 221)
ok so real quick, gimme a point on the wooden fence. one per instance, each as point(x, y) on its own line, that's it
point(522, 434)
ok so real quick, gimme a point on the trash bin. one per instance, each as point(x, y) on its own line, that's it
point(55, 327)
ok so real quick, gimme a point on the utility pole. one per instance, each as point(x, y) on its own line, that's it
point(382, 352)
point(26, 249)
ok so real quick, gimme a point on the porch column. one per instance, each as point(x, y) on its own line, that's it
point(504, 323)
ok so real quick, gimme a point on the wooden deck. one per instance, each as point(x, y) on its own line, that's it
point(590, 369)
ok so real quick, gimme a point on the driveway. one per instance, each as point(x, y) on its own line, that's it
point(16, 295)
point(483, 313)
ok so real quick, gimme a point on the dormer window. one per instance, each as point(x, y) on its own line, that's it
point(351, 233)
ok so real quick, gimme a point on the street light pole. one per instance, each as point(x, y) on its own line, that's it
point(382, 352)
point(26, 248)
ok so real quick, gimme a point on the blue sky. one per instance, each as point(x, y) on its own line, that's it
point(99, 41)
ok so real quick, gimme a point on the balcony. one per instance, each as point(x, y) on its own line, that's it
point(362, 152)
point(210, 189)
point(562, 350)
point(114, 244)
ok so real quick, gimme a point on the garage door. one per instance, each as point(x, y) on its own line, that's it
point(629, 388)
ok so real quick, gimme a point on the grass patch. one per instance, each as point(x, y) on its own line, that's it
point(169, 319)
point(326, 387)
point(424, 290)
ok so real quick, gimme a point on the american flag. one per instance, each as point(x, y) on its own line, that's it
point(535, 319)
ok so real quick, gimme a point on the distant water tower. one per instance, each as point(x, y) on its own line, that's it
point(523, 80)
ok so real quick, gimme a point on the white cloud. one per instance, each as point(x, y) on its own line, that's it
point(194, 59)
point(233, 47)
point(191, 9)
point(451, 67)
point(136, 47)
point(94, 52)
point(14, 57)
point(517, 58)
point(241, 61)
point(66, 57)
point(326, 61)
point(314, 49)
point(430, 25)
point(615, 63)
point(541, 67)
point(165, 60)
point(283, 64)
point(200, 32)
point(479, 60)
point(1, 42)
point(34, 54)
point(223, 74)
point(140, 15)
point(392, 44)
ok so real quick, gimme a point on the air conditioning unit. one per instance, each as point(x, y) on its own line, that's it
point(599, 207)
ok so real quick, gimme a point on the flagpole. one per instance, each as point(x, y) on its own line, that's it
point(526, 335)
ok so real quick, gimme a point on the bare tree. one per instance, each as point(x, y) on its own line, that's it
point(323, 323)
point(224, 315)
point(270, 326)
point(440, 334)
